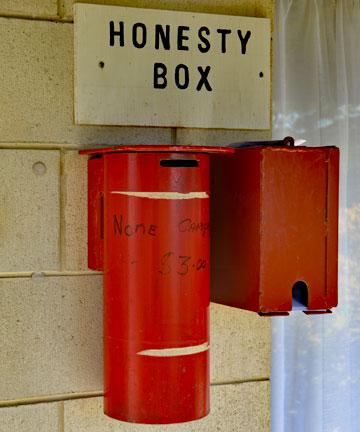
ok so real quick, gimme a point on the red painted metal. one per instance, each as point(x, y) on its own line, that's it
point(274, 215)
point(96, 213)
point(156, 279)
point(273, 224)
point(158, 148)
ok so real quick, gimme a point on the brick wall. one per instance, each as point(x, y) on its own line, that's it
point(51, 304)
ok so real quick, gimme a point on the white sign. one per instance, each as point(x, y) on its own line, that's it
point(149, 67)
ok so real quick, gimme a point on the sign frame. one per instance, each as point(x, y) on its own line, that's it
point(114, 85)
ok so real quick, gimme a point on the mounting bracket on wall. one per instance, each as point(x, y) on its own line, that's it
point(274, 216)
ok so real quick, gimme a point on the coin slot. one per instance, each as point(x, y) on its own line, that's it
point(179, 163)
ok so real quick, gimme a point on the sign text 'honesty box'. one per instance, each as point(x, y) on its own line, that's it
point(150, 67)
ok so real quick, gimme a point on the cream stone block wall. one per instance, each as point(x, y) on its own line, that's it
point(51, 336)
point(240, 342)
point(29, 8)
point(29, 210)
point(217, 137)
point(259, 8)
point(74, 196)
point(30, 418)
point(51, 304)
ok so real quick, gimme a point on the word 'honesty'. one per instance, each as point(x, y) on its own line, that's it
point(161, 37)
point(180, 38)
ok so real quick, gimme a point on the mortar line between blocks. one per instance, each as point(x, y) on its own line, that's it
point(61, 417)
point(48, 273)
point(62, 225)
point(92, 394)
point(245, 381)
point(45, 18)
point(51, 398)
point(38, 146)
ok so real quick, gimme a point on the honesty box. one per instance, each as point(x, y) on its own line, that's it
point(146, 67)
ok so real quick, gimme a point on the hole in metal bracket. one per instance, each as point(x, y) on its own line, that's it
point(300, 294)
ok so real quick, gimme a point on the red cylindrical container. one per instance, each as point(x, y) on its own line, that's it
point(149, 233)
point(156, 281)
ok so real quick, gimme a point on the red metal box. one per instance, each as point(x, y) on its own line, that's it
point(149, 233)
point(274, 228)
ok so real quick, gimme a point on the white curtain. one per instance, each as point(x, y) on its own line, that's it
point(316, 359)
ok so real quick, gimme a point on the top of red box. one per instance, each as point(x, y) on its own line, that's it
point(158, 148)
